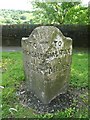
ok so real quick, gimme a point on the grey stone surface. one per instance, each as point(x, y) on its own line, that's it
point(47, 60)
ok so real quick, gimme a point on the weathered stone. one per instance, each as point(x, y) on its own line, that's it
point(47, 61)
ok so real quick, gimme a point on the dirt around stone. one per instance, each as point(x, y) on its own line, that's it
point(74, 98)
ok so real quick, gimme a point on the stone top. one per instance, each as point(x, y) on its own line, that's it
point(47, 39)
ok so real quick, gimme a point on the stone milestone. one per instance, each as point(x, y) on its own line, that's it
point(47, 61)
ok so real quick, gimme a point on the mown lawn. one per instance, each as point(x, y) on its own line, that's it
point(13, 76)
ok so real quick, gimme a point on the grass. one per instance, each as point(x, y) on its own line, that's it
point(13, 76)
point(79, 70)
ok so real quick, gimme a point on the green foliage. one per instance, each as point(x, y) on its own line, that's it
point(77, 15)
point(60, 13)
point(48, 13)
point(13, 76)
point(23, 17)
point(15, 16)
